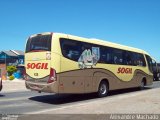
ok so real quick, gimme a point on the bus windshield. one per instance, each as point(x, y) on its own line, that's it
point(39, 43)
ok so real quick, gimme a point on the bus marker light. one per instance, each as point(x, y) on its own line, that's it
point(61, 85)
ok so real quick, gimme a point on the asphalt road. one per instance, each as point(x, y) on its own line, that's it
point(28, 102)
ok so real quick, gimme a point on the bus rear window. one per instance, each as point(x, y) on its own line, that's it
point(39, 43)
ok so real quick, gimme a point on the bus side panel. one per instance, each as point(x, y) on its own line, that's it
point(70, 84)
point(55, 61)
point(148, 78)
point(116, 83)
point(75, 84)
point(88, 80)
point(76, 81)
point(88, 84)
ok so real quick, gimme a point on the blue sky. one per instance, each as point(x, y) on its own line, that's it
point(134, 23)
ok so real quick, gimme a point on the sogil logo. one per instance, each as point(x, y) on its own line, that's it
point(37, 66)
point(123, 70)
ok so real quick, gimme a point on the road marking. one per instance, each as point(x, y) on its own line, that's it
point(14, 90)
point(99, 100)
point(16, 105)
point(13, 99)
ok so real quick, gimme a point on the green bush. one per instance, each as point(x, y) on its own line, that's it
point(11, 77)
point(11, 70)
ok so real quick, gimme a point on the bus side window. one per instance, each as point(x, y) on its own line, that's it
point(150, 65)
point(127, 58)
point(141, 60)
point(115, 60)
point(106, 55)
point(154, 64)
point(71, 49)
point(109, 58)
point(118, 57)
point(138, 59)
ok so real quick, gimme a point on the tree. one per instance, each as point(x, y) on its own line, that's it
point(11, 70)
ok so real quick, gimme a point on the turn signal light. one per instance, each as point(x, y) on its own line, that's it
point(52, 76)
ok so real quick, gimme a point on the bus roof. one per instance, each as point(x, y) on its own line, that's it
point(97, 41)
point(119, 46)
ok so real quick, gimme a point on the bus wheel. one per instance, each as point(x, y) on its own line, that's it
point(142, 85)
point(103, 89)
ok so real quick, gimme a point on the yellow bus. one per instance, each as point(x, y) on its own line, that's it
point(62, 63)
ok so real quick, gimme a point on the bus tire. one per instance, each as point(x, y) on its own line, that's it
point(142, 85)
point(103, 89)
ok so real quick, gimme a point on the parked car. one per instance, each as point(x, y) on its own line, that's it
point(0, 84)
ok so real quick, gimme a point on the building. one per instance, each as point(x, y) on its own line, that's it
point(8, 58)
